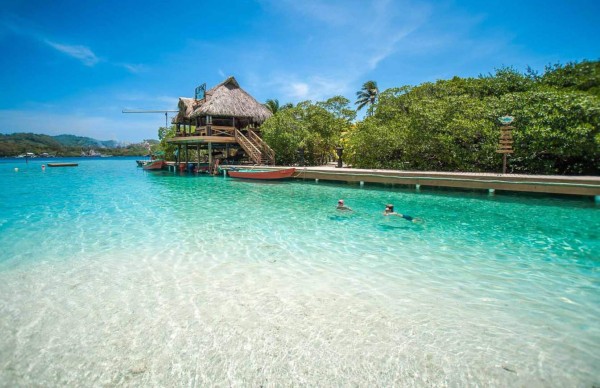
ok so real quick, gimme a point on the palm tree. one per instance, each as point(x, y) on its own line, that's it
point(272, 105)
point(367, 95)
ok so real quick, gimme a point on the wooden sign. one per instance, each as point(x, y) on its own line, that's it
point(506, 140)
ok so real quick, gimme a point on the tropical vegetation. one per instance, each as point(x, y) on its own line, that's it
point(314, 128)
point(274, 107)
point(367, 95)
point(452, 125)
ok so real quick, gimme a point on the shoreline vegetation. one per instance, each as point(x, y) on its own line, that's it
point(452, 125)
point(29, 144)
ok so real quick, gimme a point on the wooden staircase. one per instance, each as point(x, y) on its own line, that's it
point(267, 154)
point(252, 151)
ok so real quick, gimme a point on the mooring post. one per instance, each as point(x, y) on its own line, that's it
point(339, 150)
point(418, 187)
point(491, 191)
point(362, 183)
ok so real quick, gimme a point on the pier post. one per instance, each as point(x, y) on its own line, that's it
point(418, 187)
point(362, 183)
point(317, 180)
point(597, 199)
point(491, 192)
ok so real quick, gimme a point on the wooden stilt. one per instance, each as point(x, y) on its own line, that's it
point(210, 158)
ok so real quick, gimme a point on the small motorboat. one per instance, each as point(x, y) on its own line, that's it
point(63, 164)
point(262, 174)
point(154, 165)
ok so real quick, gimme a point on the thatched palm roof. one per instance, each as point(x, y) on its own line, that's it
point(228, 99)
point(186, 108)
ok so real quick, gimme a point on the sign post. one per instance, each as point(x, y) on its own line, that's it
point(506, 140)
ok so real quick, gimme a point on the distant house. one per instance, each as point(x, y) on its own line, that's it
point(225, 120)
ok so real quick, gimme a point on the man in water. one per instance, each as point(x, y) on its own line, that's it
point(342, 207)
point(389, 211)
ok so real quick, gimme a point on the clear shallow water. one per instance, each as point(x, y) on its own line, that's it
point(112, 275)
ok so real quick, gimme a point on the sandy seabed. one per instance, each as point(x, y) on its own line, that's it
point(202, 320)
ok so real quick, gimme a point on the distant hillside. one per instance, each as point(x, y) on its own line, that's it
point(78, 141)
point(64, 145)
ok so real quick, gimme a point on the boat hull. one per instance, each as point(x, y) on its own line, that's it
point(263, 175)
point(156, 165)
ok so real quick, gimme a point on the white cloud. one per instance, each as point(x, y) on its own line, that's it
point(299, 90)
point(315, 88)
point(343, 41)
point(363, 33)
point(82, 53)
point(134, 69)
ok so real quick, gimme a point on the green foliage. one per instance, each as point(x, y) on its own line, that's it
point(557, 133)
point(316, 128)
point(451, 125)
point(163, 147)
point(584, 76)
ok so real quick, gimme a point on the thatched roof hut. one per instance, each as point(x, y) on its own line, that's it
point(228, 99)
point(186, 107)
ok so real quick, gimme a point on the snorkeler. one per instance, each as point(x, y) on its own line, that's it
point(342, 207)
point(389, 211)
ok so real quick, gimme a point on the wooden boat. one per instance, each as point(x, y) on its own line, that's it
point(154, 165)
point(262, 174)
point(63, 164)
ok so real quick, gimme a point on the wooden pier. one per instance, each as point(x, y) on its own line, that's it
point(549, 184)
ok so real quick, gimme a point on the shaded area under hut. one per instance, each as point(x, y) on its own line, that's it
point(221, 126)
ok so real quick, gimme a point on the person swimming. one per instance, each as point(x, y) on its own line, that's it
point(342, 207)
point(389, 211)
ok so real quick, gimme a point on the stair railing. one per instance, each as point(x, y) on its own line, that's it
point(248, 146)
point(262, 145)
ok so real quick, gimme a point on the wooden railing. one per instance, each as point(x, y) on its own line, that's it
point(261, 145)
point(216, 130)
point(249, 147)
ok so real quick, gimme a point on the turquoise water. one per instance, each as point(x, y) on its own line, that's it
point(113, 275)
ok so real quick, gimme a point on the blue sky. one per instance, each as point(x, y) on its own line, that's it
point(72, 66)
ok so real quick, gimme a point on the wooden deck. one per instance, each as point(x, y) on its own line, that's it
point(549, 184)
